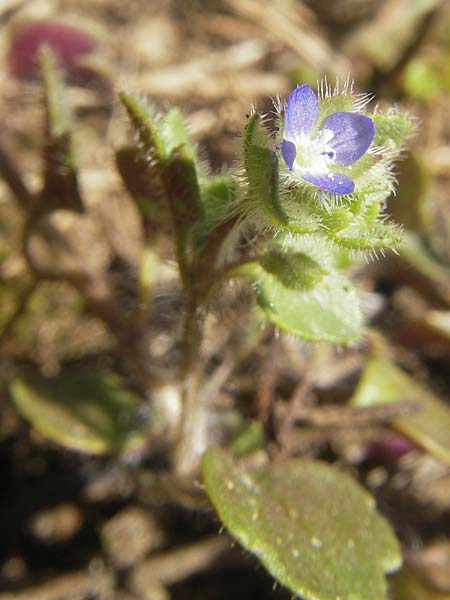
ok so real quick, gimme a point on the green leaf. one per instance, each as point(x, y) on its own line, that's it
point(383, 382)
point(249, 440)
point(294, 270)
point(218, 194)
point(370, 236)
point(173, 134)
point(145, 122)
point(391, 127)
point(262, 169)
point(331, 311)
point(421, 80)
point(313, 527)
point(431, 276)
point(60, 188)
point(86, 411)
point(142, 178)
point(335, 219)
point(179, 176)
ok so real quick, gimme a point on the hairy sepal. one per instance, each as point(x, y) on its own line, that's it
point(392, 129)
point(262, 174)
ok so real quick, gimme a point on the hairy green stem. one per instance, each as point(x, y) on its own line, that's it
point(198, 279)
point(192, 439)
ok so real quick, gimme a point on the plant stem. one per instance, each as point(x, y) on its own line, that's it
point(192, 439)
point(20, 308)
point(198, 280)
point(13, 178)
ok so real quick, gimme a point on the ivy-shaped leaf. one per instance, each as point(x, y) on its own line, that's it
point(313, 527)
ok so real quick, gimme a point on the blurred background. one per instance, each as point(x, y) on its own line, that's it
point(77, 526)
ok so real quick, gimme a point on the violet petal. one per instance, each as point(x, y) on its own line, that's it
point(353, 134)
point(335, 183)
point(288, 151)
point(302, 111)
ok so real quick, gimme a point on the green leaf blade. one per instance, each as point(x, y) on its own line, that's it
point(314, 528)
point(262, 170)
point(87, 411)
point(383, 382)
point(173, 133)
point(142, 180)
point(180, 180)
point(331, 311)
point(60, 187)
point(145, 123)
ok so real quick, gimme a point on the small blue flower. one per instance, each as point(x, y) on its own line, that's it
point(341, 140)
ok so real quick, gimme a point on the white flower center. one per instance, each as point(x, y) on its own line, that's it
point(314, 155)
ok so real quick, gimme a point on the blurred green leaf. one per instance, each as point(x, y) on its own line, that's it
point(383, 382)
point(249, 440)
point(142, 178)
point(179, 176)
point(420, 80)
point(431, 276)
point(86, 411)
point(411, 205)
point(60, 188)
point(313, 527)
